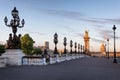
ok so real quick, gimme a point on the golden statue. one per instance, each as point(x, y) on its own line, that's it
point(86, 41)
point(102, 48)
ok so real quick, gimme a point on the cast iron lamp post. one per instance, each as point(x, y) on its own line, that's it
point(75, 47)
point(55, 41)
point(81, 49)
point(65, 43)
point(78, 48)
point(14, 42)
point(15, 22)
point(115, 60)
point(71, 45)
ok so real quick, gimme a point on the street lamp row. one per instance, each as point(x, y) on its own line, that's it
point(65, 44)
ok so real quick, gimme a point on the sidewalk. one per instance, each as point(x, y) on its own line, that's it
point(79, 69)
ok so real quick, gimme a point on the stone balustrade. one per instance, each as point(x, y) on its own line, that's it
point(53, 59)
point(3, 61)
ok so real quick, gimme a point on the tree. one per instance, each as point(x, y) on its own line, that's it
point(37, 51)
point(27, 44)
point(2, 49)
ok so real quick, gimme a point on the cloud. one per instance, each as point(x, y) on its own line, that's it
point(113, 21)
point(68, 28)
point(79, 34)
point(94, 20)
point(64, 13)
point(105, 33)
point(33, 32)
point(99, 23)
point(112, 36)
point(91, 38)
point(97, 40)
point(74, 15)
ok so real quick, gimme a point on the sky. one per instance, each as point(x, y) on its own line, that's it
point(69, 18)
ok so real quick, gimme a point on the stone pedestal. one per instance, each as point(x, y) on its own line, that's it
point(2, 61)
point(14, 56)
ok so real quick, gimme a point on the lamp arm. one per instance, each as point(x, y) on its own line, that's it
point(8, 25)
point(20, 26)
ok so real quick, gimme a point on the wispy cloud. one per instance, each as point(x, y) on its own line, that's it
point(112, 21)
point(112, 36)
point(105, 33)
point(64, 13)
point(74, 15)
point(98, 40)
point(99, 23)
point(91, 38)
point(34, 32)
point(79, 34)
point(68, 28)
point(82, 34)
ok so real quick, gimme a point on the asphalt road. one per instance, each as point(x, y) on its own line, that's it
point(79, 69)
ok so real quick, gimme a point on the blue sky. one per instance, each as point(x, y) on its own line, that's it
point(69, 18)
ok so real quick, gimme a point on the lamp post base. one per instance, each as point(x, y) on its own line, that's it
point(115, 60)
point(14, 56)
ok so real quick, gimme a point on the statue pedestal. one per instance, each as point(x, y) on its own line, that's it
point(14, 56)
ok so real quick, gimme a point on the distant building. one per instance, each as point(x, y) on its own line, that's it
point(41, 47)
point(46, 45)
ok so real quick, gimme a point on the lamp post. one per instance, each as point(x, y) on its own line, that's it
point(14, 23)
point(71, 45)
point(81, 49)
point(108, 47)
point(65, 43)
point(75, 47)
point(115, 60)
point(55, 41)
point(78, 48)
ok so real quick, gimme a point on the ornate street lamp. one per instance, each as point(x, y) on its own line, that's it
point(115, 60)
point(78, 48)
point(71, 45)
point(65, 43)
point(75, 47)
point(81, 49)
point(55, 41)
point(108, 47)
point(14, 23)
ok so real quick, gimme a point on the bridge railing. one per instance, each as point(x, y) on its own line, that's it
point(3, 61)
point(52, 59)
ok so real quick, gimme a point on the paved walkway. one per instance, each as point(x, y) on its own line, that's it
point(79, 69)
